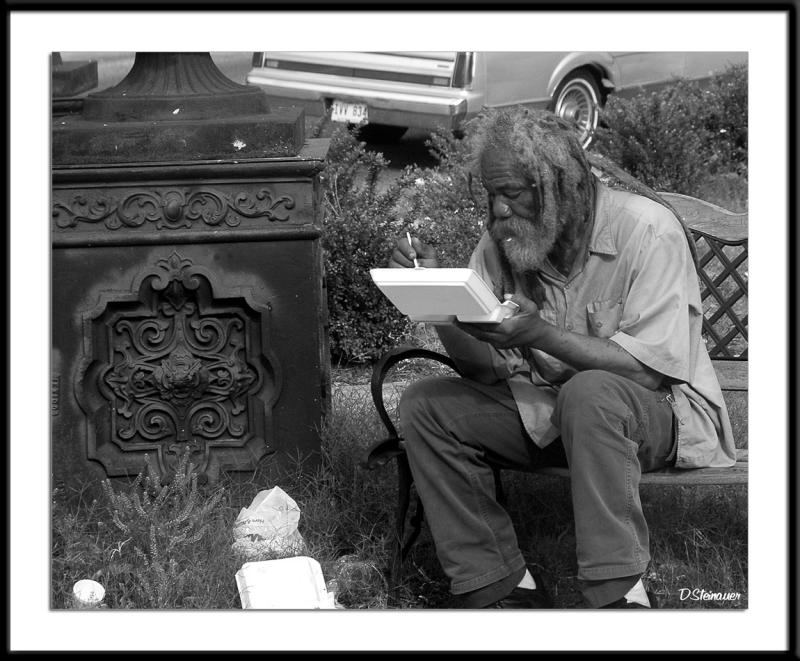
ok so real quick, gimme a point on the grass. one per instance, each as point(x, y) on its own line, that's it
point(175, 553)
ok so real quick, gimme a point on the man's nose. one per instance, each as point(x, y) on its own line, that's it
point(500, 209)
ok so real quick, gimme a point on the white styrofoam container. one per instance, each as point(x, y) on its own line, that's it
point(440, 295)
point(294, 583)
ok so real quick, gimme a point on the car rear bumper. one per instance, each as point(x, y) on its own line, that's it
point(423, 107)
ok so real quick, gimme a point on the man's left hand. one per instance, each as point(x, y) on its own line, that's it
point(520, 330)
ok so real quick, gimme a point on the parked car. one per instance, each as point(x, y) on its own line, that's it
point(386, 93)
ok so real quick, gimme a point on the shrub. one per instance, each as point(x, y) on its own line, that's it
point(726, 120)
point(679, 137)
point(444, 211)
point(156, 530)
point(360, 224)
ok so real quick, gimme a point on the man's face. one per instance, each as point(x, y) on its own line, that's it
point(517, 224)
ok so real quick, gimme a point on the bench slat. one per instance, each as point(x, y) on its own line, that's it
point(709, 218)
point(736, 474)
point(732, 374)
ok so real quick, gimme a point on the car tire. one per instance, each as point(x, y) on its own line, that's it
point(381, 132)
point(578, 100)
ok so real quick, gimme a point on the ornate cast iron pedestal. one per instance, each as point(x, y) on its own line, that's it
point(188, 304)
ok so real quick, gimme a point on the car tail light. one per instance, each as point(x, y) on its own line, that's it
point(258, 60)
point(463, 69)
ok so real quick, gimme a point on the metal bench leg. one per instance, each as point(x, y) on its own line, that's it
point(416, 527)
point(402, 545)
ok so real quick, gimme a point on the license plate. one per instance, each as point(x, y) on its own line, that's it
point(351, 113)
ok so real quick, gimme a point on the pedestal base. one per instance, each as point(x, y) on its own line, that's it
point(273, 135)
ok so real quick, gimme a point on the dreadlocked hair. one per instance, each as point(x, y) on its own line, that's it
point(547, 152)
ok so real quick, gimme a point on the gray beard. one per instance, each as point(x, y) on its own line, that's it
point(525, 246)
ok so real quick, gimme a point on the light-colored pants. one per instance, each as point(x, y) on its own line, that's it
point(612, 430)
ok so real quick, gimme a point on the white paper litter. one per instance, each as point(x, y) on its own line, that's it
point(293, 583)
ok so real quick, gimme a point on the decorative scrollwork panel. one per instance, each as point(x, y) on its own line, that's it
point(179, 364)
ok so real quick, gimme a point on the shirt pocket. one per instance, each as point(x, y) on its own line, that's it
point(604, 317)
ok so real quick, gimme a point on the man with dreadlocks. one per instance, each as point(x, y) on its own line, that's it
point(603, 369)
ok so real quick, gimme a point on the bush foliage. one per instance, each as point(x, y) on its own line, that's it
point(447, 210)
point(688, 138)
point(360, 224)
point(679, 137)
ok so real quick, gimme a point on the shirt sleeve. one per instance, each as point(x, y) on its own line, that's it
point(654, 325)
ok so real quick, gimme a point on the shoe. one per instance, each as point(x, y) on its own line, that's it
point(623, 603)
point(525, 597)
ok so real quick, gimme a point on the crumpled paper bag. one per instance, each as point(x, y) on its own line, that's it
point(268, 528)
point(288, 583)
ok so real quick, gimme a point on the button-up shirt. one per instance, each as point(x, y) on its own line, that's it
point(636, 285)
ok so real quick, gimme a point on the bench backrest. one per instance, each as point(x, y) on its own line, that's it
point(721, 239)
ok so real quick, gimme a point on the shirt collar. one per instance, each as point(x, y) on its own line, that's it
point(602, 240)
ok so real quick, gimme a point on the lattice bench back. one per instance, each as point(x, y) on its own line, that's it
point(721, 240)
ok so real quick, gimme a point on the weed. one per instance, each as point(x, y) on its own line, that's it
point(146, 540)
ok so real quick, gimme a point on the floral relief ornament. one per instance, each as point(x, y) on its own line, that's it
point(172, 209)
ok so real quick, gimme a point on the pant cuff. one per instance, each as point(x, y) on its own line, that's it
point(601, 593)
point(500, 572)
point(488, 594)
point(611, 572)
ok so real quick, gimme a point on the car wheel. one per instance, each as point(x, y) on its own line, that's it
point(381, 132)
point(578, 101)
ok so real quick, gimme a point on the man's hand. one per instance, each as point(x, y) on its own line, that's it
point(581, 352)
point(404, 254)
point(522, 329)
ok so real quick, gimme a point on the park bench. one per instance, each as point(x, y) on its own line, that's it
point(720, 239)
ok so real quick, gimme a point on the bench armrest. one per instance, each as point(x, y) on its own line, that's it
point(381, 452)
